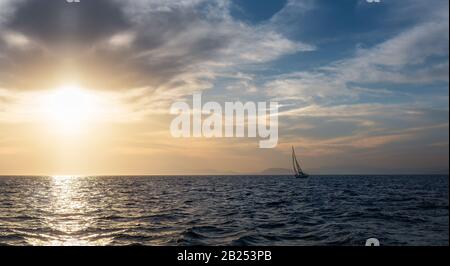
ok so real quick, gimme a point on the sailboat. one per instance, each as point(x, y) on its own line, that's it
point(297, 168)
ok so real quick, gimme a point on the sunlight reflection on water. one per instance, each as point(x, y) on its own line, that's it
point(68, 206)
point(234, 210)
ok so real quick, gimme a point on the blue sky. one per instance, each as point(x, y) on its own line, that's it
point(364, 86)
point(383, 66)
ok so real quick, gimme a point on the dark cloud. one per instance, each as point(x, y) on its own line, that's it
point(55, 21)
point(58, 38)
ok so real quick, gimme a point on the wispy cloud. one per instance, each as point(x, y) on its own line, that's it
point(161, 44)
point(403, 59)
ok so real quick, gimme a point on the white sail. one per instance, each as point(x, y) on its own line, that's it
point(296, 165)
point(297, 168)
point(294, 161)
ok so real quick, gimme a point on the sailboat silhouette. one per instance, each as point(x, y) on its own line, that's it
point(297, 168)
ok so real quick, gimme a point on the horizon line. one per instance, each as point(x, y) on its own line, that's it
point(224, 175)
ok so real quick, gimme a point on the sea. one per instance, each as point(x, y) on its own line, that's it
point(334, 210)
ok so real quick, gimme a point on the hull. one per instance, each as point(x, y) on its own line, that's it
point(304, 176)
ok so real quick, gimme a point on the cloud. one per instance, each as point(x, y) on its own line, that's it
point(152, 52)
point(418, 55)
point(291, 13)
point(366, 135)
point(335, 110)
point(7, 8)
point(390, 60)
point(15, 39)
point(162, 46)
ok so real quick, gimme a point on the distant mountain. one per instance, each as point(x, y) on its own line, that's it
point(276, 171)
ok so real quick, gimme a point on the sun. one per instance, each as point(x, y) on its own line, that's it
point(70, 108)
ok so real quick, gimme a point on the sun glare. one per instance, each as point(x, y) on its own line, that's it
point(70, 108)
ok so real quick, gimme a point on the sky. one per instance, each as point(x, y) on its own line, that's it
point(86, 88)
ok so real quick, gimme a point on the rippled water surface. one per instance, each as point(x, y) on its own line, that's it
point(238, 210)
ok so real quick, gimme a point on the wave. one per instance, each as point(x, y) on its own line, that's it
point(240, 211)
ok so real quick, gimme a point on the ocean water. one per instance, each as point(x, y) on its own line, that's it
point(224, 210)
